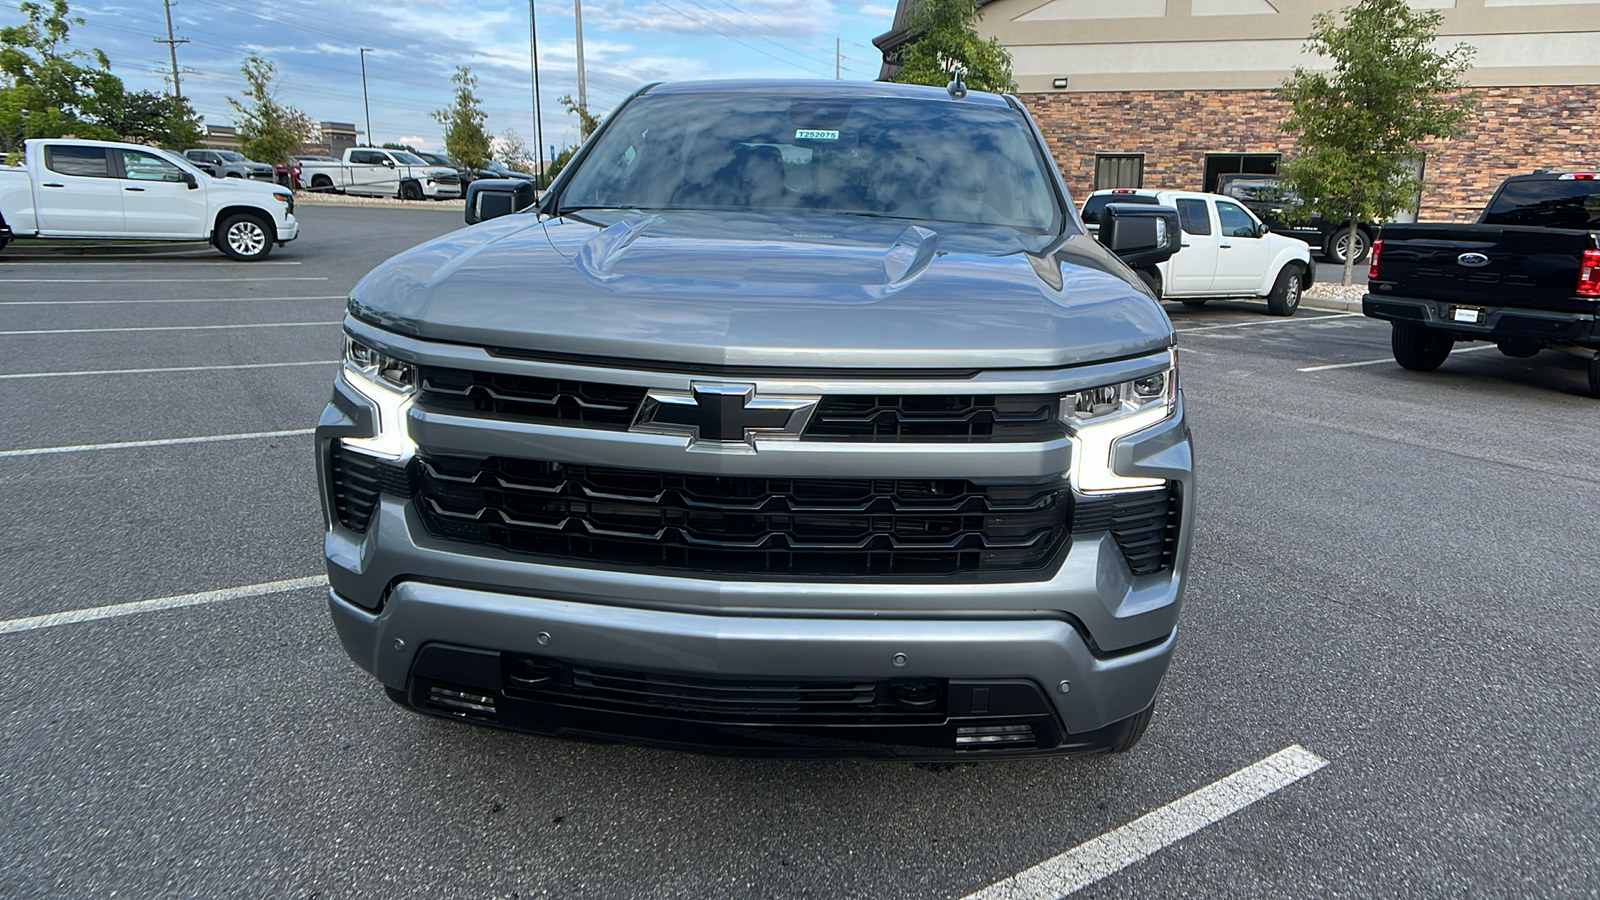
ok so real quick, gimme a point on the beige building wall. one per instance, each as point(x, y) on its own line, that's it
point(1181, 81)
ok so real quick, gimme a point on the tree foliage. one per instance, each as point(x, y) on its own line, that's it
point(587, 121)
point(1361, 126)
point(513, 153)
point(946, 37)
point(269, 131)
point(49, 89)
point(391, 145)
point(465, 139)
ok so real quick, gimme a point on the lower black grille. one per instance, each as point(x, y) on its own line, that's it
point(1144, 525)
point(727, 700)
point(916, 417)
point(744, 525)
point(357, 480)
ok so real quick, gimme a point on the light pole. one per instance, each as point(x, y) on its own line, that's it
point(367, 104)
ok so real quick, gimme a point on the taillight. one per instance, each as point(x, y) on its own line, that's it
point(1372, 267)
point(1589, 275)
point(1577, 176)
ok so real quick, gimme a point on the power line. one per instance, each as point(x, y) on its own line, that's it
point(172, 43)
point(736, 40)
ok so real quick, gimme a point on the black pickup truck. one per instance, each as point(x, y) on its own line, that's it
point(1526, 276)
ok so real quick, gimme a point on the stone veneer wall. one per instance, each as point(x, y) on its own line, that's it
point(1517, 129)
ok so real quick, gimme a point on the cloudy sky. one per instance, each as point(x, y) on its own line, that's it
point(416, 44)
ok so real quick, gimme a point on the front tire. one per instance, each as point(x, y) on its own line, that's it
point(1194, 302)
point(1285, 297)
point(1152, 280)
point(1419, 349)
point(321, 183)
point(1136, 726)
point(1337, 242)
point(410, 190)
point(244, 237)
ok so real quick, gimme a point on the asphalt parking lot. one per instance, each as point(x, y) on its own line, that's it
point(1394, 573)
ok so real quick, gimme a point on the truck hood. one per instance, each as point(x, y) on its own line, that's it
point(754, 290)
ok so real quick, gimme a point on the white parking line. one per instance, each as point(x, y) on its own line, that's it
point(90, 614)
point(1114, 851)
point(157, 280)
point(1386, 359)
point(280, 365)
point(163, 442)
point(165, 328)
point(185, 300)
point(1296, 321)
point(142, 261)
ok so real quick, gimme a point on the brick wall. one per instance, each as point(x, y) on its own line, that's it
point(1517, 129)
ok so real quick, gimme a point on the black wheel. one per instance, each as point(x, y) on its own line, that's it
point(233, 175)
point(1419, 349)
point(1194, 302)
point(410, 190)
point(321, 183)
point(1594, 376)
point(1135, 727)
point(1285, 296)
point(245, 237)
point(1338, 242)
point(1152, 280)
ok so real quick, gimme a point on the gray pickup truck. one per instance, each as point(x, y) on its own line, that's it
point(795, 419)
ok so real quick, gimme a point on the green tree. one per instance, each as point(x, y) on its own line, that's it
point(1361, 126)
point(510, 151)
point(46, 89)
point(557, 164)
point(587, 121)
point(393, 146)
point(160, 120)
point(269, 131)
point(946, 36)
point(465, 139)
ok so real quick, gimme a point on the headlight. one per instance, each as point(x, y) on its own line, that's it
point(1098, 416)
point(390, 384)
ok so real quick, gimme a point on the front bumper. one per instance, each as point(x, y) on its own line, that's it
point(288, 229)
point(1038, 673)
point(1499, 323)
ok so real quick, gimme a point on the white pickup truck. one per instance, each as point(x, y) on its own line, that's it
point(372, 172)
point(1226, 252)
point(98, 190)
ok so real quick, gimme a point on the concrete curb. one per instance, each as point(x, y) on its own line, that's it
point(1330, 304)
point(309, 199)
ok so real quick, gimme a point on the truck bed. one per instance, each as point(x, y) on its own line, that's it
point(1488, 265)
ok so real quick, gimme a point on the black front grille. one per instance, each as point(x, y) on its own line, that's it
point(793, 701)
point(917, 417)
point(447, 179)
point(357, 480)
point(1144, 525)
point(898, 417)
point(744, 525)
point(523, 398)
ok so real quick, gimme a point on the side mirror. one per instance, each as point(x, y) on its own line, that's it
point(190, 180)
point(491, 198)
point(1262, 230)
point(1140, 235)
point(388, 162)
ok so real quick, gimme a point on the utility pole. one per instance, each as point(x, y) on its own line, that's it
point(172, 43)
point(583, 90)
point(836, 58)
point(367, 104)
point(533, 56)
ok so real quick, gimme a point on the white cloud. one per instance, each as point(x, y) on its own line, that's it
point(754, 19)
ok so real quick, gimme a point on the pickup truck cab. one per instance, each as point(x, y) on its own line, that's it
point(371, 172)
point(100, 190)
point(1526, 276)
point(795, 419)
point(1273, 203)
point(1226, 252)
point(229, 164)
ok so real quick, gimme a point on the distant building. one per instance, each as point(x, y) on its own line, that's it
point(338, 137)
point(220, 137)
point(1174, 93)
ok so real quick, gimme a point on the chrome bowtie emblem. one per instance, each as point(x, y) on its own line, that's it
point(723, 413)
point(1473, 260)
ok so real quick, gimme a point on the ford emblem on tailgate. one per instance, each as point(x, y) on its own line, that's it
point(1473, 260)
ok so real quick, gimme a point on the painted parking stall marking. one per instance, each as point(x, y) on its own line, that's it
point(1095, 859)
point(1301, 320)
point(24, 376)
point(185, 300)
point(161, 442)
point(1387, 359)
point(165, 328)
point(160, 280)
point(93, 613)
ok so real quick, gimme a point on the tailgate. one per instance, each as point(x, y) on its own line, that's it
point(1484, 265)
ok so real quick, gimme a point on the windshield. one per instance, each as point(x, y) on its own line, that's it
point(1546, 204)
point(1256, 191)
point(407, 159)
point(1098, 202)
point(897, 158)
point(230, 156)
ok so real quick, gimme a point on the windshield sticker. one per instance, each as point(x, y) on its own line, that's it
point(813, 134)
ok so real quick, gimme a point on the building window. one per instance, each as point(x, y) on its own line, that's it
point(1220, 164)
point(1118, 170)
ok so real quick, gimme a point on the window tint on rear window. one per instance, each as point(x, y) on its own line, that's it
point(1193, 217)
point(86, 162)
point(1546, 204)
point(1093, 205)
